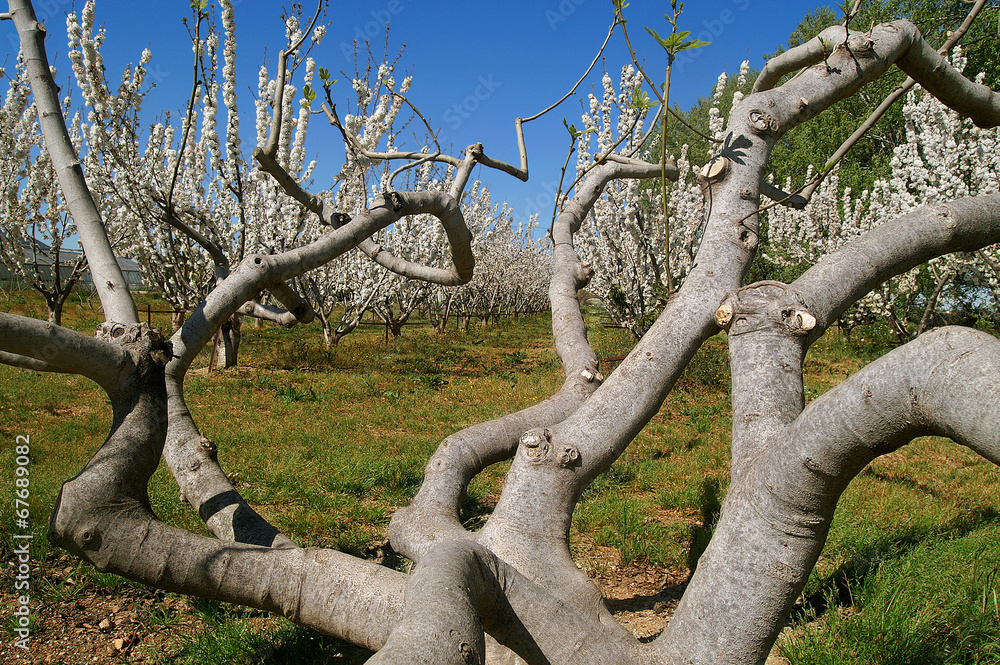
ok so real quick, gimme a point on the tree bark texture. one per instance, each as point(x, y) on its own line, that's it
point(512, 587)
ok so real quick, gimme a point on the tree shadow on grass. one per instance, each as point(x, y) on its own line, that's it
point(710, 506)
point(836, 590)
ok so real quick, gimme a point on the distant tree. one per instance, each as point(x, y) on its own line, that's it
point(35, 229)
point(186, 205)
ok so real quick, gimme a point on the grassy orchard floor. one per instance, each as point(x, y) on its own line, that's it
point(327, 444)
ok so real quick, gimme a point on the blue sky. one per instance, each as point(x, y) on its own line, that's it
point(476, 65)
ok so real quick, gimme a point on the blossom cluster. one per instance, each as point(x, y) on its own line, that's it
point(625, 237)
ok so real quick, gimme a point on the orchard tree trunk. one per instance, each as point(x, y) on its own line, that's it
point(227, 347)
point(444, 315)
point(55, 307)
point(177, 317)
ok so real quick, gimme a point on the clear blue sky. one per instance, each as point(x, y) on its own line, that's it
point(476, 65)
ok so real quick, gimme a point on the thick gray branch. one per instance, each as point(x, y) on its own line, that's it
point(23, 362)
point(271, 313)
point(47, 347)
point(842, 278)
point(774, 525)
point(552, 467)
point(433, 515)
point(191, 456)
point(294, 304)
point(287, 182)
point(463, 589)
point(768, 324)
point(108, 279)
point(103, 515)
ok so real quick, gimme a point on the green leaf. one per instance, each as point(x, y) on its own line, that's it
point(619, 8)
point(576, 133)
point(675, 43)
point(199, 5)
point(309, 93)
point(324, 73)
point(694, 43)
point(640, 100)
point(657, 37)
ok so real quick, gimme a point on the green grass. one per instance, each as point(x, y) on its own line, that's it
point(327, 443)
point(935, 599)
point(238, 635)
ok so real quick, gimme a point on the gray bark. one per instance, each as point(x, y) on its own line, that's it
point(515, 580)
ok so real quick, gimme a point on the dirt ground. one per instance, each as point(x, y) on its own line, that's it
point(133, 624)
point(98, 625)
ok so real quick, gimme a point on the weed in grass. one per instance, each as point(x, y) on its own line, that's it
point(428, 381)
point(57, 593)
point(231, 638)
point(296, 353)
point(12, 624)
point(195, 386)
point(290, 393)
point(264, 382)
point(614, 479)
point(625, 524)
point(160, 616)
point(506, 375)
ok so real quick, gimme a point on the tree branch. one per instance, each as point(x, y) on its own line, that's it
point(840, 279)
point(42, 346)
point(103, 515)
point(462, 589)
point(108, 279)
point(774, 524)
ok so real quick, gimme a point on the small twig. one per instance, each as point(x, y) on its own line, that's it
point(190, 109)
point(652, 85)
point(577, 84)
point(279, 86)
point(562, 175)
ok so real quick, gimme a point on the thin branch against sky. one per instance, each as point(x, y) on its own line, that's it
point(476, 66)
